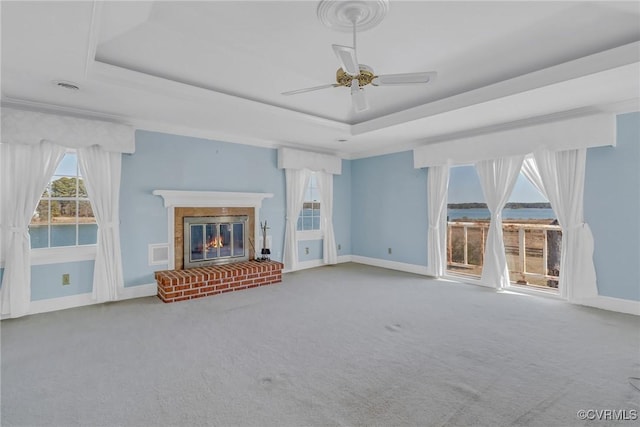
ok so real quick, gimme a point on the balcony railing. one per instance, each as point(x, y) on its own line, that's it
point(532, 250)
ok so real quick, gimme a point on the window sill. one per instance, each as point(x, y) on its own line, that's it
point(310, 235)
point(63, 254)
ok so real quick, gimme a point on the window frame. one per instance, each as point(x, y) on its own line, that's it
point(62, 254)
point(314, 234)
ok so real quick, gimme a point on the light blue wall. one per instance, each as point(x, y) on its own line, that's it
point(342, 208)
point(389, 209)
point(315, 250)
point(379, 202)
point(172, 162)
point(612, 210)
point(46, 280)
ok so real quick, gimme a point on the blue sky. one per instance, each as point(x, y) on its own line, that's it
point(67, 166)
point(464, 187)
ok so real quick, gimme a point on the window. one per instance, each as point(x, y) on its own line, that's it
point(309, 219)
point(531, 236)
point(64, 216)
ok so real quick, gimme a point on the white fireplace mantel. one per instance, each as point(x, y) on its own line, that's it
point(206, 199)
point(211, 199)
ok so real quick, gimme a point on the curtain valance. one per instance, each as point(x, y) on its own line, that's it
point(289, 158)
point(31, 127)
point(580, 132)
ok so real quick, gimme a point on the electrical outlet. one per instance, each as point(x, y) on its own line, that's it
point(339, 246)
point(306, 251)
point(389, 251)
point(66, 279)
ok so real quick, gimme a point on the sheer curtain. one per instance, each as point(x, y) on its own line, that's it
point(497, 178)
point(437, 186)
point(26, 169)
point(329, 250)
point(296, 181)
point(531, 172)
point(101, 171)
point(562, 174)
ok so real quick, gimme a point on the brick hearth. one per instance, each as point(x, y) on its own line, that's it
point(180, 285)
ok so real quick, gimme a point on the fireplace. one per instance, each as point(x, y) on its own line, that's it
point(213, 240)
point(223, 226)
point(181, 204)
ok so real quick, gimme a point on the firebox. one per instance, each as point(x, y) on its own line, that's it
point(213, 240)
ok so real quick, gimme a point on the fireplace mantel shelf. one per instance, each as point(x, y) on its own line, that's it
point(181, 198)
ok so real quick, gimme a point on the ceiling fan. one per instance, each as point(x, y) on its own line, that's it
point(351, 15)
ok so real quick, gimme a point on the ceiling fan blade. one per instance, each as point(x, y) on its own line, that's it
point(309, 89)
point(347, 57)
point(358, 97)
point(404, 79)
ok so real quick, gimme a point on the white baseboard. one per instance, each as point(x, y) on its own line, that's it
point(612, 304)
point(317, 263)
point(392, 265)
point(72, 301)
point(62, 303)
point(139, 291)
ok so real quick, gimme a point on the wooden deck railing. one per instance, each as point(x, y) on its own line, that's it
point(533, 250)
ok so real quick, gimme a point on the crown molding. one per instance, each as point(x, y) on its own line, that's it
point(113, 74)
point(603, 61)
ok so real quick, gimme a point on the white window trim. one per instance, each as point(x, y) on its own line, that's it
point(61, 254)
point(310, 234)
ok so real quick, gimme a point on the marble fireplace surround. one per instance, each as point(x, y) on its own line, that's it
point(207, 203)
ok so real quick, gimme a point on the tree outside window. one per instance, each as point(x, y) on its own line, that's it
point(64, 216)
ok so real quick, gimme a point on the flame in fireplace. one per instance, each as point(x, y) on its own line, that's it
point(216, 242)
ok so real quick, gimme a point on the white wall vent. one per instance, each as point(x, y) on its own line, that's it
point(158, 253)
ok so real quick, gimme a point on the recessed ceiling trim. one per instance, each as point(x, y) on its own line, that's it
point(606, 60)
point(594, 92)
point(94, 36)
point(498, 127)
point(113, 74)
point(82, 113)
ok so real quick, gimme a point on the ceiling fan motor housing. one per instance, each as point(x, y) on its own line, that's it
point(365, 77)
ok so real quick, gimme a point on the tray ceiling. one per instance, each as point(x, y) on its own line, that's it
point(217, 69)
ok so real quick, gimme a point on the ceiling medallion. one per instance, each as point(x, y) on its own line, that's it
point(341, 15)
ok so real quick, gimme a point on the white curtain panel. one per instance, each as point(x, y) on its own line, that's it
point(531, 172)
point(497, 178)
point(437, 187)
point(562, 173)
point(101, 172)
point(296, 181)
point(26, 169)
point(329, 249)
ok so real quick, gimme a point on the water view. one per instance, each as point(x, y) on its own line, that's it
point(507, 213)
point(62, 235)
